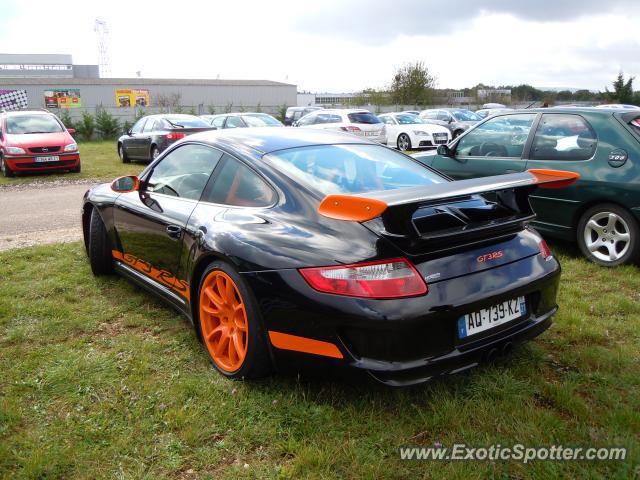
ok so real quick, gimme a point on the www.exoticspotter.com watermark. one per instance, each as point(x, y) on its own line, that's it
point(517, 453)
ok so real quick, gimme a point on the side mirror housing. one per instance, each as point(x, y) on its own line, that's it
point(129, 132)
point(444, 151)
point(126, 184)
point(72, 131)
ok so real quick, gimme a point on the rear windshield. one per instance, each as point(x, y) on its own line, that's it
point(260, 120)
point(363, 117)
point(347, 169)
point(22, 124)
point(186, 122)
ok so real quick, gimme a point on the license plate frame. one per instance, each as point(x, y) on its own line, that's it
point(486, 319)
point(47, 159)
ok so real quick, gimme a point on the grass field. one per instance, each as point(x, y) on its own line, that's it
point(99, 161)
point(100, 380)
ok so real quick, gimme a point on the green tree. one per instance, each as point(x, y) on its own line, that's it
point(67, 121)
point(282, 112)
point(622, 89)
point(107, 125)
point(412, 84)
point(211, 109)
point(86, 127)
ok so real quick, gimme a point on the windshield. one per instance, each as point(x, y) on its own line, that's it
point(363, 117)
point(261, 120)
point(188, 122)
point(349, 169)
point(465, 116)
point(21, 124)
point(408, 119)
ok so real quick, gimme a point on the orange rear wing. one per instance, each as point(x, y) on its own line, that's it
point(370, 205)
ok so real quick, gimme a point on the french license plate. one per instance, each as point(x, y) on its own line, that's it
point(491, 317)
point(51, 158)
point(370, 134)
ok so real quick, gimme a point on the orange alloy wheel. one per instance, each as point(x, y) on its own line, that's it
point(223, 319)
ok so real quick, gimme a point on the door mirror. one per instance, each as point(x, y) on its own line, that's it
point(71, 131)
point(450, 120)
point(444, 151)
point(129, 132)
point(126, 184)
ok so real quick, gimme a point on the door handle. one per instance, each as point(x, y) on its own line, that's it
point(174, 231)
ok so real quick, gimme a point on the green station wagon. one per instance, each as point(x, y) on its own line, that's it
point(602, 210)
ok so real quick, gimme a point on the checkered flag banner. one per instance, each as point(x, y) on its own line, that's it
point(13, 99)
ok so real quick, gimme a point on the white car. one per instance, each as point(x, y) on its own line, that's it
point(357, 122)
point(406, 131)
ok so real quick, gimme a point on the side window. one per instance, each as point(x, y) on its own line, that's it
point(335, 119)
point(184, 172)
point(236, 184)
point(503, 136)
point(430, 115)
point(296, 115)
point(149, 126)
point(386, 119)
point(218, 122)
point(234, 122)
point(444, 116)
point(308, 120)
point(137, 127)
point(563, 137)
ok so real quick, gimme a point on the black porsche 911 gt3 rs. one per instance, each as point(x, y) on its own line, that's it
point(287, 245)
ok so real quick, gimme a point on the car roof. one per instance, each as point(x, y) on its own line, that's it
point(266, 140)
point(30, 112)
point(600, 111)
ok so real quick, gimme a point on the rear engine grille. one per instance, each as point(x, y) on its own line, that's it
point(44, 149)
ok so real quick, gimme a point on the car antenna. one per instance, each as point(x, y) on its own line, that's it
point(531, 104)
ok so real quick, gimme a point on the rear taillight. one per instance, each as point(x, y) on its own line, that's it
point(175, 136)
point(351, 128)
point(545, 251)
point(383, 279)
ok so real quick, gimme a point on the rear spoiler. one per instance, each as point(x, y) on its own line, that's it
point(367, 206)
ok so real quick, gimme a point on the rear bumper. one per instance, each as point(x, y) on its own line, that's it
point(406, 341)
point(29, 164)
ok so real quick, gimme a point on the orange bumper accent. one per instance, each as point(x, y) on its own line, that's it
point(285, 341)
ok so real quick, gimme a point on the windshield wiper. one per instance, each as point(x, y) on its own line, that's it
point(175, 124)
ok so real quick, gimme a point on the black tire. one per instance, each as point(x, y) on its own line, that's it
point(404, 142)
point(6, 171)
point(153, 153)
point(99, 248)
point(257, 361)
point(123, 154)
point(78, 169)
point(609, 235)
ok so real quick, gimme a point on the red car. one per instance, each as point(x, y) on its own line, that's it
point(36, 141)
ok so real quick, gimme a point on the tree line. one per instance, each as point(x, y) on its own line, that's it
point(413, 84)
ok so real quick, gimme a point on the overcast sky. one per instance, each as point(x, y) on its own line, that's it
point(341, 45)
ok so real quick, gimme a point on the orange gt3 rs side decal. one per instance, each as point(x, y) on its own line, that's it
point(163, 277)
point(285, 341)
